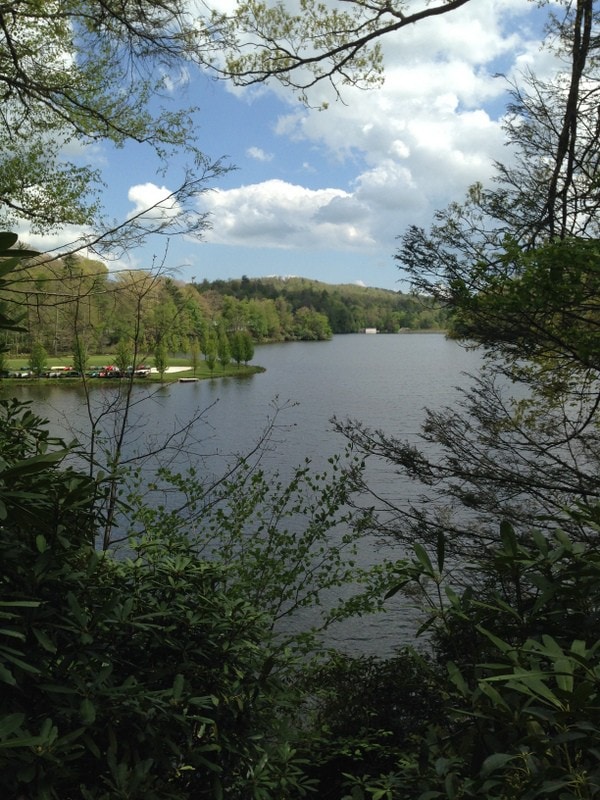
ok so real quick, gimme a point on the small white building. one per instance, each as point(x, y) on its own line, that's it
point(369, 330)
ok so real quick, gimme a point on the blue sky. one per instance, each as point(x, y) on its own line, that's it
point(325, 194)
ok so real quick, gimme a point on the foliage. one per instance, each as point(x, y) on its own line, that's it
point(160, 358)
point(288, 543)
point(210, 351)
point(311, 326)
point(73, 299)
point(96, 72)
point(516, 265)
point(542, 305)
point(223, 348)
point(135, 677)
point(247, 347)
point(154, 674)
point(362, 713)
point(520, 716)
point(315, 42)
point(124, 355)
point(36, 498)
point(195, 354)
point(348, 308)
point(10, 261)
point(512, 613)
point(38, 358)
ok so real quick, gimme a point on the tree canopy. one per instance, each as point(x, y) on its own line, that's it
point(74, 73)
point(516, 265)
point(303, 44)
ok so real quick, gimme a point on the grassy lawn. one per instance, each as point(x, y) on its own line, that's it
point(202, 370)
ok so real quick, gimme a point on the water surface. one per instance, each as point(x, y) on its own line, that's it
point(383, 380)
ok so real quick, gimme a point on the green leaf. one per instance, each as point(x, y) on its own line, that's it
point(578, 648)
point(494, 762)
point(423, 559)
point(178, 684)
point(7, 676)
point(457, 678)
point(563, 673)
point(10, 723)
point(8, 239)
point(32, 465)
point(44, 640)
point(532, 684)
point(551, 646)
point(502, 646)
point(508, 538)
point(493, 694)
point(395, 589)
point(87, 710)
point(20, 603)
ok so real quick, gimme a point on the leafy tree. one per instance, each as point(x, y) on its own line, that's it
point(137, 676)
point(302, 47)
point(310, 325)
point(210, 351)
point(242, 347)
point(363, 715)
point(247, 347)
point(516, 264)
point(160, 358)
point(80, 355)
point(237, 347)
point(195, 354)
point(223, 349)
point(505, 706)
point(93, 77)
point(124, 356)
point(38, 358)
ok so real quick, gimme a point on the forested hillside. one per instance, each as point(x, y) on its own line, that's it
point(77, 298)
point(349, 308)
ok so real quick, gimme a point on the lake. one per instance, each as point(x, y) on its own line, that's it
point(382, 380)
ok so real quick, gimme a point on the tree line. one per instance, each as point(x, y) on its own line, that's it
point(73, 302)
point(348, 308)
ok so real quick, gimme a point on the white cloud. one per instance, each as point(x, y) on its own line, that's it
point(259, 154)
point(153, 202)
point(433, 129)
point(280, 214)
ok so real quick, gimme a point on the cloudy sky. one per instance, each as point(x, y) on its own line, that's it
point(325, 194)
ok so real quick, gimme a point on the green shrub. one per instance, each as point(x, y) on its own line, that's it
point(123, 678)
point(363, 712)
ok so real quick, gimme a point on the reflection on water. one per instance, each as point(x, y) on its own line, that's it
point(384, 381)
